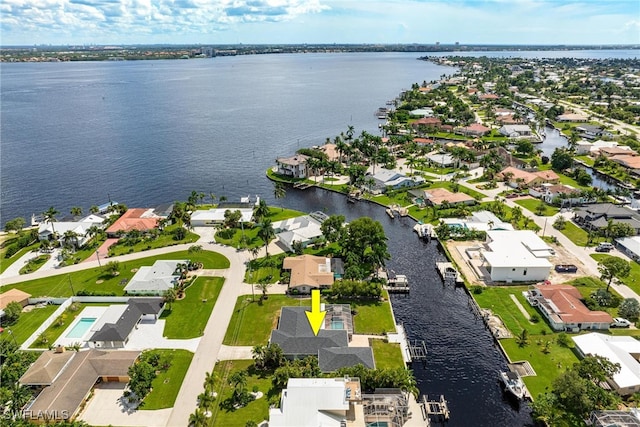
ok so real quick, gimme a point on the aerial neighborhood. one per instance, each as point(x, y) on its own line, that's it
point(197, 312)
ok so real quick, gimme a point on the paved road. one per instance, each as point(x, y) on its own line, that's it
point(617, 125)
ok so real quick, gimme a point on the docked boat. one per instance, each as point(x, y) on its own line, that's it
point(513, 384)
point(425, 231)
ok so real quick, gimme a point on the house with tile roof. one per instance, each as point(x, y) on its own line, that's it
point(309, 272)
point(623, 350)
point(294, 166)
point(439, 196)
point(140, 219)
point(519, 178)
point(562, 306)
point(474, 129)
point(65, 380)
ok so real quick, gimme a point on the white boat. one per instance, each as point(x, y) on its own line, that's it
point(513, 384)
point(425, 231)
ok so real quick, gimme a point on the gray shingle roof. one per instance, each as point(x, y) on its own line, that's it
point(119, 331)
point(332, 359)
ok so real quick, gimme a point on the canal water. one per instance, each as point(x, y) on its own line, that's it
point(554, 139)
point(462, 362)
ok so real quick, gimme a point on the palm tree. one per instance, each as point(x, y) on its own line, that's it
point(76, 211)
point(20, 396)
point(279, 191)
point(212, 197)
point(198, 418)
point(169, 297)
point(50, 216)
point(210, 380)
point(205, 400)
point(266, 233)
point(261, 211)
point(71, 238)
point(94, 209)
point(264, 285)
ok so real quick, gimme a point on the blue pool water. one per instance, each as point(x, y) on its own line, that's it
point(81, 327)
point(378, 424)
point(337, 324)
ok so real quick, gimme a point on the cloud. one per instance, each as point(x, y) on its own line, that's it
point(318, 21)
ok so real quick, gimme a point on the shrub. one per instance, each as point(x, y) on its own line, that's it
point(629, 309)
point(563, 340)
point(476, 290)
point(12, 313)
point(534, 318)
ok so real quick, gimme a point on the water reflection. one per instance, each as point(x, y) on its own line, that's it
point(463, 361)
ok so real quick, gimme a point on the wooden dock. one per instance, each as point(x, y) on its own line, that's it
point(439, 409)
point(397, 283)
point(449, 273)
point(302, 185)
point(417, 351)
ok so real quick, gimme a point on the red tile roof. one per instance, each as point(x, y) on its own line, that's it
point(131, 220)
point(567, 300)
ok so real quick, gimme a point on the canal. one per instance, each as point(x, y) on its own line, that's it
point(463, 361)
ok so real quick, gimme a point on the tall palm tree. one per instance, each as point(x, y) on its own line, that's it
point(261, 211)
point(94, 209)
point(76, 211)
point(70, 238)
point(210, 380)
point(50, 216)
point(198, 418)
point(266, 233)
point(279, 191)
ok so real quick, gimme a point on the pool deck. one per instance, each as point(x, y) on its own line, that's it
point(87, 312)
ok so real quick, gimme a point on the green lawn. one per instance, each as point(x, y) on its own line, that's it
point(63, 321)
point(252, 322)
point(576, 234)
point(163, 240)
point(224, 415)
point(6, 262)
point(633, 280)
point(263, 268)
point(62, 284)
point(532, 204)
point(386, 354)
point(372, 317)
point(166, 385)
point(34, 264)
point(28, 323)
point(188, 317)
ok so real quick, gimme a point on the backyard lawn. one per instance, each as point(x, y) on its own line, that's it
point(224, 414)
point(163, 240)
point(252, 322)
point(64, 285)
point(27, 323)
point(386, 355)
point(188, 317)
point(166, 385)
point(372, 317)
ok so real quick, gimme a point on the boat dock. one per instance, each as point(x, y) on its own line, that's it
point(439, 409)
point(411, 350)
point(449, 273)
point(302, 185)
point(425, 231)
point(418, 350)
point(395, 283)
point(399, 210)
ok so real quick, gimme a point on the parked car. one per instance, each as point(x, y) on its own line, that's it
point(604, 247)
point(566, 268)
point(619, 322)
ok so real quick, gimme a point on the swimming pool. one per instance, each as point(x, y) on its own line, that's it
point(81, 328)
point(337, 324)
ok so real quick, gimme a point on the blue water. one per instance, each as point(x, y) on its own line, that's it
point(81, 328)
point(337, 324)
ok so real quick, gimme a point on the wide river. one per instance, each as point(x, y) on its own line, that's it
point(150, 132)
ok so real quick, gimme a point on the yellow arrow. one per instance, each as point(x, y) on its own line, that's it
point(315, 316)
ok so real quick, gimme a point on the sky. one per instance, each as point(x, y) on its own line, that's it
point(118, 22)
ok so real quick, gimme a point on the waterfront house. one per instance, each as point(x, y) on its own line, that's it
point(309, 272)
point(443, 160)
point(516, 131)
point(304, 229)
point(215, 216)
point(140, 219)
point(64, 380)
point(597, 216)
point(474, 129)
point(593, 148)
point(422, 112)
point(156, 279)
point(572, 117)
point(427, 122)
point(631, 162)
point(516, 256)
point(440, 196)
point(479, 221)
point(114, 328)
point(294, 166)
point(313, 402)
point(550, 192)
point(623, 350)
point(616, 150)
point(386, 178)
point(592, 132)
point(518, 178)
point(330, 150)
point(563, 308)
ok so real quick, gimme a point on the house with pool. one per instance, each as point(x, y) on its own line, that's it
point(110, 327)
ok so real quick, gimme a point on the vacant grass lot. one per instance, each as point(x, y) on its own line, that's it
point(27, 324)
point(532, 204)
point(65, 285)
point(188, 317)
point(165, 239)
point(576, 234)
point(386, 355)
point(224, 414)
point(166, 385)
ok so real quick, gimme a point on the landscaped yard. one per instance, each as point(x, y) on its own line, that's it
point(188, 317)
point(633, 280)
point(65, 285)
point(166, 238)
point(27, 323)
point(265, 268)
point(6, 262)
point(166, 385)
point(53, 332)
point(532, 205)
point(224, 414)
point(372, 317)
point(386, 354)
